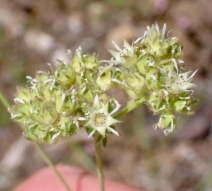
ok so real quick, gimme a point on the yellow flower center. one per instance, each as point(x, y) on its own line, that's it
point(99, 118)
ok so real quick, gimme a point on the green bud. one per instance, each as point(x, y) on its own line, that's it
point(181, 103)
point(126, 57)
point(142, 64)
point(153, 79)
point(104, 78)
point(167, 123)
point(43, 112)
point(88, 95)
point(66, 126)
point(77, 63)
point(130, 61)
point(157, 102)
point(90, 62)
point(134, 85)
point(65, 76)
point(157, 45)
point(24, 94)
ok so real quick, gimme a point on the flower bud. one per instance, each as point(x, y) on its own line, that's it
point(104, 78)
point(167, 123)
point(153, 80)
point(65, 76)
point(157, 102)
point(134, 84)
point(90, 62)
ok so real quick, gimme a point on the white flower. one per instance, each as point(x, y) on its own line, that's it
point(178, 83)
point(127, 54)
point(100, 119)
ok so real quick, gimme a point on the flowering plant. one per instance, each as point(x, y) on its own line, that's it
point(73, 96)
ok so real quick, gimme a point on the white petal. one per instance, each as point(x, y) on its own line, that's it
point(29, 77)
point(127, 46)
point(117, 81)
point(69, 52)
point(55, 136)
point(79, 51)
point(116, 46)
point(18, 100)
point(164, 30)
point(63, 97)
point(81, 118)
point(149, 31)
point(113, 131)
point(137, 40)
point(47, 81)
point(175, 64)
point(116, 108)
point(192, 75)
point(168, 33)
point(115, 54)
point(14, 116)
point(96, 101)
point(108, 61)
point(91, 134)
point(157, 27)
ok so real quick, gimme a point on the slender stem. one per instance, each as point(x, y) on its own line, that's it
point(130, 107)
point(51, 165)
point(127, 109)
point(4, 101)
point(99, 165)
point(40, 150)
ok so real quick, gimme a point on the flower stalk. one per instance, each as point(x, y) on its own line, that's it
point(51, 165)
point(130, 107)
point(99, 165)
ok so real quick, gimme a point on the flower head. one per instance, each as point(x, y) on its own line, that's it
point(43, 111)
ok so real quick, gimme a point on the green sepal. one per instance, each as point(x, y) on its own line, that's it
point(104, 141)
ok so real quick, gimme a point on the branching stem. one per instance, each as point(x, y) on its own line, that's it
point(129, 107)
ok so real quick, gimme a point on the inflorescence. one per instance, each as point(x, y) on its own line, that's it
point(73, 96)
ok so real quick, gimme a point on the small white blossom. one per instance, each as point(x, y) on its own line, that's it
point(100, 120)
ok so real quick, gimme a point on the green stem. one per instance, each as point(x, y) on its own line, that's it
point(40, 150)
point(130, 107)
point(99, 165)
point(4, 101)
point(51, 165)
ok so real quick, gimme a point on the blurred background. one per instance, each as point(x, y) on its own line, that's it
point(34, 33)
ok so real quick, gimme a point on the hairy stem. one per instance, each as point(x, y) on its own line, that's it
point(99, 165)
point(40, 150)
point(130, 107)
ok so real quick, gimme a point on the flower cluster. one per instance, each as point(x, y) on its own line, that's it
point(151, 67)
point(72, 96)
point(58, 103)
